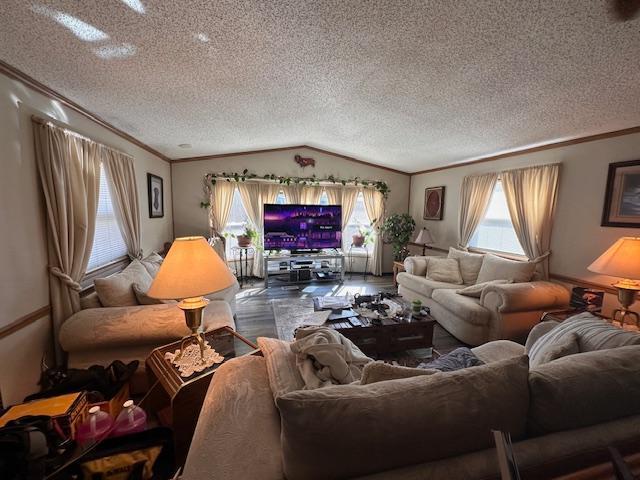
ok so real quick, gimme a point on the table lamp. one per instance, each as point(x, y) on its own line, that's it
point(424, 238)
point(190, 270)
point(622, 259)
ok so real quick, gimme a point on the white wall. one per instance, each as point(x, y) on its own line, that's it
point(577, 237)
point(187, 179)
point(23, 278)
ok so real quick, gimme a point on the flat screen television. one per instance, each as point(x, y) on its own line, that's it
point(302, 227)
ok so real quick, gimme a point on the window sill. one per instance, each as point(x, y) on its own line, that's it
point(507, 255)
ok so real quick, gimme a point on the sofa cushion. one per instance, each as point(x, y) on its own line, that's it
point(470, 264)
point(498, 350)
point(584, 389)
point(477, 289)
point(422, 285)
point(498, 268)
point(144, 299)
point(444, 270)
point(562, 347)
point(380, 371)
point(349, 430)
point(538, 331)
point(117, 290)
point(281, 366)
point(467, 308)
point(152, 263)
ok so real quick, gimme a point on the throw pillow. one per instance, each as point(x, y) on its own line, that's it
point(381, 421)
point(476, 290)
point(538, 331)
point(380, 371)
point(444, 270)
point(281, 366)
point(552, 350)
point(117, 290)
point(455, 360)
point(470, 264)
point(152, 263)
point(498, 268)
point(143, 298)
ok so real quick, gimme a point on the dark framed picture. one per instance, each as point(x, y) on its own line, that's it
point(155, 190)
point(433, 203)
point(622, 199)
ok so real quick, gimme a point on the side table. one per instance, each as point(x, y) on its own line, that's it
point(241, 256)
point(397, 268)
point(366, 261)
point(561, 315)
point(177, 400)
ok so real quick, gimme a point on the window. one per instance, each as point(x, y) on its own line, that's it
point(238, 219)
point(108, 244)
point(358, 218)
point(495, 231)
point(324, 198)
point(281, 199)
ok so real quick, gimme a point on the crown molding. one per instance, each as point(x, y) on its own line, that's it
point(39, 87)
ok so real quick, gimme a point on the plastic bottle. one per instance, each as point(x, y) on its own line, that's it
point(131, 419)
point(95, 428)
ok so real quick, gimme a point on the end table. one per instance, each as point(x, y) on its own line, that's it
point(177, 400)
point(397, 268)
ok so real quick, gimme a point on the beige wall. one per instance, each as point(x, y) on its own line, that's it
point(23, 278)
point(187, 180)
point(577, 236)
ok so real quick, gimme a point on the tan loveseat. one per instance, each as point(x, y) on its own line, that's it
point(559, 411)
point(502, 311)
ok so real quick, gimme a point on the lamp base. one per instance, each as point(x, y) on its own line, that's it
point(627, 291)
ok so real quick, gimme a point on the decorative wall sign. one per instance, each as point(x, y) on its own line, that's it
point(155, 191)
point(622, 199)
point(304, 161)
point(433, 203)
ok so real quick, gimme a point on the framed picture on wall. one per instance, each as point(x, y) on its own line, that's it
point(155, 190)
point(433, 203)
point(622, 198)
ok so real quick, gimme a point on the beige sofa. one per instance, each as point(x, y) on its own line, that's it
point(560, 414)
point(502, 311)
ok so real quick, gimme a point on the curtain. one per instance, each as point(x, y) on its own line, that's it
point(531, 197)
point(221, 198)
point(374, 204)
point(69, 170)
point(310, 195)
point(254, 196)
point(474, 199)
point(293, 193)
point(349, 197)
point(334, 195)
point(122, 185)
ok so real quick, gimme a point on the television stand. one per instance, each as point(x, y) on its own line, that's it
point(295, 269)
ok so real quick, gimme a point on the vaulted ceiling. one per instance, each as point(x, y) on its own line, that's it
point(405, 84)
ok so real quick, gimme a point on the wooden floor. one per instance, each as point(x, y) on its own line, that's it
point(254, 314)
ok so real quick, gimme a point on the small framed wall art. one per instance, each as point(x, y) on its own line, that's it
point(622, 198)
point(155, 191)
point(433, 203)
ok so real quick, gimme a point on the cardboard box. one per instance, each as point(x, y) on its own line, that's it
point(67, 411)
point(113, 406)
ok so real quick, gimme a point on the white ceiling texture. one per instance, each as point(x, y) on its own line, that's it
point(406, 84)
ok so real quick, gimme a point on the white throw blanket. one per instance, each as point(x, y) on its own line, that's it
point(325, 357)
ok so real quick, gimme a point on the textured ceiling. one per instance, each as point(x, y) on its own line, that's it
point(406, 84)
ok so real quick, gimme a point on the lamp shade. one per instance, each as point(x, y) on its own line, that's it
point(424, 237)
point(191, 269)
point(622, 259)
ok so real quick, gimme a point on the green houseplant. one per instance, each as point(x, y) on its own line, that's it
point(249, 236)
point(397, 230)
point(364, 237)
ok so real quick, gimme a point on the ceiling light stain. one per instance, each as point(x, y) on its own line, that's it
point(135, 5)
point(202, 37)
point(83, 30)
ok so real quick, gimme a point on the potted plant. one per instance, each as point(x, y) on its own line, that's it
point(249, 236)
point(397, 230)
point(364, 237)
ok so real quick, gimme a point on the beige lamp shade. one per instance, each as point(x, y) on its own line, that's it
point(424, 237)
point(191, 269)
point(622, 259)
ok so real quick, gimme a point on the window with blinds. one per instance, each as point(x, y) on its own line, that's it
point(108, 244)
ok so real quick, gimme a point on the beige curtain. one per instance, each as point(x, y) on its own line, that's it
point(531, 197)
point(220, 198)
point(254, 196)
point(293, 193)
point(349, 197)
point(310, 195)
point(475, 195)
point(121, 178)
point(334, 195)
point(374, 204)
point(69, 171)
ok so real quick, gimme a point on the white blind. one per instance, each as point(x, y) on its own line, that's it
point(108, 244)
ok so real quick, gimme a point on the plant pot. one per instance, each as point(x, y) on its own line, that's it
point(243, 241)
point(357, 240)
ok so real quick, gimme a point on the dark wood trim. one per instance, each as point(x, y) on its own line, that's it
point(282, 149)
point(540, 148)
point(39, 87)
point(583, 283)
point(437, 249)
point(24, 321)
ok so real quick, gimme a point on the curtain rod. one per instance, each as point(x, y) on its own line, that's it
point(58, 124)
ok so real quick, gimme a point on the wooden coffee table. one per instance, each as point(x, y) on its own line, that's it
point(392, 335)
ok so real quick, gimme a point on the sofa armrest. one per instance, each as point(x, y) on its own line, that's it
point(522, 297)
point(416, 265)
point(238, 432)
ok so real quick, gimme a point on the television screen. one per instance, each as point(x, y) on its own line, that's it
point(302, 227)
